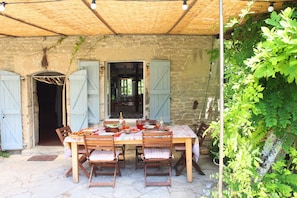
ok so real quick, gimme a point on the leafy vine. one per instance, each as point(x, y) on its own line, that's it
point(76, 48)
point(260, 100)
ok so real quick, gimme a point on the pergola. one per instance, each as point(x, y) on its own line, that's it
point(30, 18)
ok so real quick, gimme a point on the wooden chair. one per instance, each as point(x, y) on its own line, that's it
point(62, 133)
point(181, 163)
point(157, 152)
point(120, 147)
point(138, 148)
point(104, 155)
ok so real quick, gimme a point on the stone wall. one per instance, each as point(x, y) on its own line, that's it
point(190, 66)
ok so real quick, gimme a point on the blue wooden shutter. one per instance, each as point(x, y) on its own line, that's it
point(160, 90)
point(78, 100)
point(10, 108)
point(92, 68)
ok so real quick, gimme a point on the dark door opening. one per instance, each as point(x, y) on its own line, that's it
point(50, 111)
point(126, 89)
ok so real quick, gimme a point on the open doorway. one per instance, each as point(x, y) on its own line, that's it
point(48, 113)
point(126, 89)
point(49, 99)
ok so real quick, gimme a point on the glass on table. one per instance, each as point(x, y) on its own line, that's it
point(157, 124)
point(139, 124)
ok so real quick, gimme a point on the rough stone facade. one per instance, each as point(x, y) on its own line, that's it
point(190, 67)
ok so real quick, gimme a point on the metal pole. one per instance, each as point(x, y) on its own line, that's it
point(221, 100)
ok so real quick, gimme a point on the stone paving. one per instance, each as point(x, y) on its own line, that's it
point(45, 179)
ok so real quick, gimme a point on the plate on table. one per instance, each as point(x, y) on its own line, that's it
point(115, 134)
point(92, 130)
point(149, 126)
point(134, 130)
point(87, 131)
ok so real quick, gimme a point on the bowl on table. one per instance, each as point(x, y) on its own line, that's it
point(112, 128)
point(127, 131)
point(117, 134)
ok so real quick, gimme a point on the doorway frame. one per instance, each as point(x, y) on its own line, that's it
point(34, 102)
point(107, 87)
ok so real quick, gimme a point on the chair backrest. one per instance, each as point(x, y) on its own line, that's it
point(99, 142)
point(202, 128)
point(63, 132)
point(157, 139)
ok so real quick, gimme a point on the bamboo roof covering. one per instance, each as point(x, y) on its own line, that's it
point(29, 18)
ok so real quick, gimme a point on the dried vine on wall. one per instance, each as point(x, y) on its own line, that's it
point(44, 61)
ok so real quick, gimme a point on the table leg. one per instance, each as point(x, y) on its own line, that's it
point(189, 159)
point(75, 173)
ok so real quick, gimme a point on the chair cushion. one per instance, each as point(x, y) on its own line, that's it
point(103, 155)
point(162, 153)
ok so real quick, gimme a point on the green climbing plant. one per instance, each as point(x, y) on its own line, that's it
point(260, 98)
point(81, 40)
point(76, 48)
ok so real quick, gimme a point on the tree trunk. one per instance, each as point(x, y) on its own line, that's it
point(271, 149)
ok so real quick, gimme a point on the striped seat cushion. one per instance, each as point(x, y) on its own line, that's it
point(161, 153)
point(103, 155)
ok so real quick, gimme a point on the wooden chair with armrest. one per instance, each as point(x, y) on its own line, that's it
point(157, 153)
point(138, 148)
point(62, 133)
point(103, 155)
point(120, 147)
point(181, 163)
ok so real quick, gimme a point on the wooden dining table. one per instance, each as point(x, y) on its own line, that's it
point(181, 134)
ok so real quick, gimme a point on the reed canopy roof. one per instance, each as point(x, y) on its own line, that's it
point(30, 18)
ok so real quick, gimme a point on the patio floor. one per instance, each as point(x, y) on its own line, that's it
point(22, 178)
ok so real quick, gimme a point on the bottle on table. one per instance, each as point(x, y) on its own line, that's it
point(161, 124)
point(121, 121)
